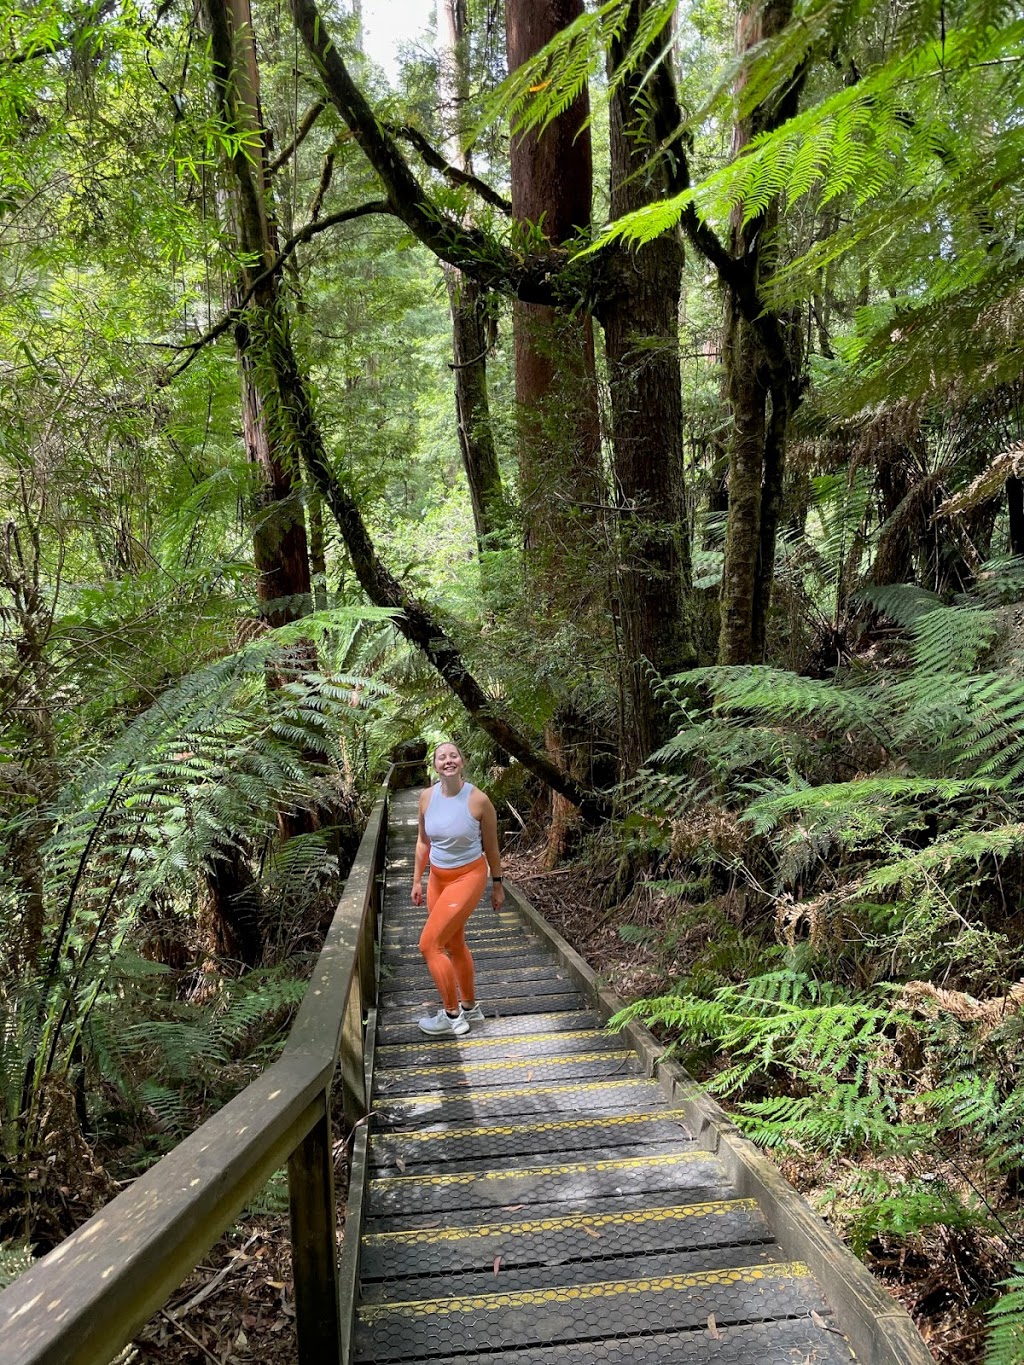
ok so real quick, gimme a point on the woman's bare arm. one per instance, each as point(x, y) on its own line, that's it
point(422, 853)
point(485, 813)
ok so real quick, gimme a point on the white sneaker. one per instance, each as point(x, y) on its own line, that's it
point(437, 1025)
point(475, 1015)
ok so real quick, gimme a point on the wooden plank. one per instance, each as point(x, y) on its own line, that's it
point(351, 1246)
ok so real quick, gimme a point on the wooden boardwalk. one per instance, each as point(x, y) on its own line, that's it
point(533, 1199)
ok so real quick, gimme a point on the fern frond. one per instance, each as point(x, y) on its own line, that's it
point(903, 603)
point(944, 856)
point(907, 1209)
point(951, 639)
point(1006, 1338)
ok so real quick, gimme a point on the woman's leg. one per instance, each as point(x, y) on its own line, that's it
point(462, 963)
point(452, 896)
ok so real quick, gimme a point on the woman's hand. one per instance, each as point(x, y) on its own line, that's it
point(497, 895)
point(417, 892)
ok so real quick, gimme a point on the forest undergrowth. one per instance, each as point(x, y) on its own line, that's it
point(188, 1039)
point(814, 894)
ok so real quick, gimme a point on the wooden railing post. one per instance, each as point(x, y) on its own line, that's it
point(315, 1244)
point(367, 965)
point(371, 922)
point(353, 1081)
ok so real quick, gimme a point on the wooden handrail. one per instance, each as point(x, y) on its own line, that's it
point(86, 1299)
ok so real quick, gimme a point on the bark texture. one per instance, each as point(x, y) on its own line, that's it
point(279, 537)
point(761, 382)
point(467, 300)
point(641, 328)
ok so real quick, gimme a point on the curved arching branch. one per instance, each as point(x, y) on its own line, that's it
point(455, 174)
point(533, 279)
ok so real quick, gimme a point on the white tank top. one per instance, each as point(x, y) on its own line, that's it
point(453, 832)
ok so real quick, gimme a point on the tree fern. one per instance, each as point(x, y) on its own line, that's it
point(787, 1024)
point(209, 763)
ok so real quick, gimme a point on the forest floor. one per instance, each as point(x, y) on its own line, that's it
point(940, 1277)
point(237, 1308)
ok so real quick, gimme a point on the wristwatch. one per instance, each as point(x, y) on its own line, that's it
point(497, 879)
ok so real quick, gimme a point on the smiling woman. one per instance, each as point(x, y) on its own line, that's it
point(458, 835)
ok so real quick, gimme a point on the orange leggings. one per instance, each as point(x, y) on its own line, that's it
point(452, 895)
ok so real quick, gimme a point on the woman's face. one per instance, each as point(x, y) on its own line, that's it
point(447, 760)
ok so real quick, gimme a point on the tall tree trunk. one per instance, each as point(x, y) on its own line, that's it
point(641, 327)
point(558, 421)
point(468, 303)
point(280, 547)
point(560, 460)
point(279, 536)
point(747, 397)
point(762, 391)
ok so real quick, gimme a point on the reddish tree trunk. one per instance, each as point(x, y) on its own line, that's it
point(560, 460)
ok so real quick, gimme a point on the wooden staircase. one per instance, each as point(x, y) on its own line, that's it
point(533, 1197)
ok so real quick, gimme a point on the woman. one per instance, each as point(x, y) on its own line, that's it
point(458, 833)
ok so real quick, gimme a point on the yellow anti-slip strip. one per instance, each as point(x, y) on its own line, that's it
point(594, 1222)
point(606, 1289)
point(504, 924)
point(522, 1092)
point(555, 1126)
point(634, 1163)
point(490, 1040)
point(508, 1064)
point(416, 921)
point(399, 958)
